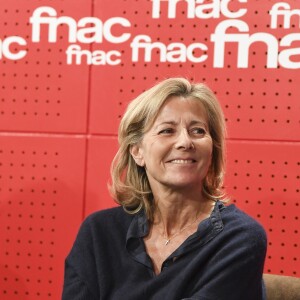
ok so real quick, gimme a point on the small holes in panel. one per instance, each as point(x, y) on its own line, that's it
point(27, 214)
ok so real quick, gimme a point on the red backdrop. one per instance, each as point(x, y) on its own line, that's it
point(59, 122)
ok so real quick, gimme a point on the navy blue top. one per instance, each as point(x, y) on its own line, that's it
point(224, 259)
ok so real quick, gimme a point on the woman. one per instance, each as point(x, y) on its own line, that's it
point(173, 237)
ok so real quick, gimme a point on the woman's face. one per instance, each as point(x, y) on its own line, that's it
point(176, 151)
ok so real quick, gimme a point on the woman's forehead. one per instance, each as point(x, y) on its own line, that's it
point(179, 107)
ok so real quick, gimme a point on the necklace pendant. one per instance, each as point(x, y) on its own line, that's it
point(167, 242)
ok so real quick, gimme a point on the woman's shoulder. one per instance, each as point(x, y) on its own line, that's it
point(234, 213)
point(109, 221)
point(114, 215)
point(237, 220)
point(112, 212)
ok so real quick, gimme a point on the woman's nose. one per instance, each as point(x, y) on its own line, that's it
point(184, 140)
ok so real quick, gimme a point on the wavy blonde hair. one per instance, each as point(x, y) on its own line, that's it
point(130, 186)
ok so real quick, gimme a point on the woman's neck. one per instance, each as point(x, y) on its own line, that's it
point(175, 212)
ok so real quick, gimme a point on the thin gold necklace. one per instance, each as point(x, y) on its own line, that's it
point(168, 238)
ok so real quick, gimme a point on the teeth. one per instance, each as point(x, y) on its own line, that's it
point(182, 161)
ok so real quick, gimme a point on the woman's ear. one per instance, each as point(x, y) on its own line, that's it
point(137, 154)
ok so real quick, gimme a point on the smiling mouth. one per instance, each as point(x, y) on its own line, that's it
point(182, 161)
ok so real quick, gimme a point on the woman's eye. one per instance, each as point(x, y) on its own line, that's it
point(198, 131)
point(166, 131)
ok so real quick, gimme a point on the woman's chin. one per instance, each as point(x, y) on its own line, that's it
point(184, 183)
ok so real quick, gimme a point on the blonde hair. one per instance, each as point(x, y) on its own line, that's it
point(130, 186)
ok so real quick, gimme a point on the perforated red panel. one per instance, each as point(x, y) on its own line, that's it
point(101, 151)
point(50, 177)
point(259, 102)
point(41, 93)
point(41, 190)
point(263, 178)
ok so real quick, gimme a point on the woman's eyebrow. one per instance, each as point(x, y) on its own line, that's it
point(173, 123)
point(195, 122)
point(166, 123)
